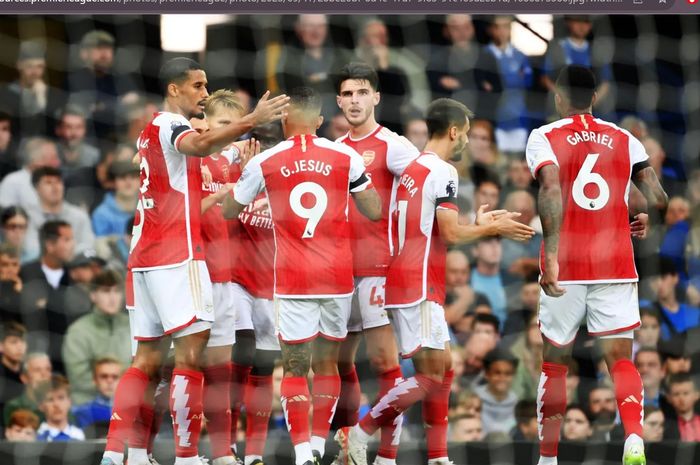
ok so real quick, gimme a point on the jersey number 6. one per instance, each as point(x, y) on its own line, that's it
point(585, 177)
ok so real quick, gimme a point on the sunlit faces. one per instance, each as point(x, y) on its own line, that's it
point(499, 376)
point(602, 399)
point(653, 426)
point(108, 300)
point(577, 426)
point(191, 94)
point(56, 406)
point(106, 378)
point(459, 28)
point(357, 100)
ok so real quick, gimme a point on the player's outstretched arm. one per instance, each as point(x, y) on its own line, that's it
point(549, 205)
point(503, 224)
point(369, 203)
point(648, 183)
point(267, 110)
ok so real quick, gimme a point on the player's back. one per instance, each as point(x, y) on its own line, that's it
point(307, 180)
point(167, 230)
point(385, 155)
point(417, 272)
point(595, 161)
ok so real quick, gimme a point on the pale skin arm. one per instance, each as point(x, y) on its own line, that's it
point(549, 205)
point(496, 223)
point(267, 110)
point(210, 201)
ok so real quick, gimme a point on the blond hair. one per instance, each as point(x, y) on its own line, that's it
point(223, 99)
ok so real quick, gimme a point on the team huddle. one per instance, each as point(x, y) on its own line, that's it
point(299, 244)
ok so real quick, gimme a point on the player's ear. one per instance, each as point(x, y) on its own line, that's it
point(453, 132)
point(319, 122)
point(377, 98)
point(595, 98)
point(337, 100)
point(173, 90)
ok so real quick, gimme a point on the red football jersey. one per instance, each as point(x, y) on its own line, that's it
point(167, 227)
point(417, 272)
point(595, 160)
point(386, 155)
point(254, 269)
point(214, 227)
point(307, 180)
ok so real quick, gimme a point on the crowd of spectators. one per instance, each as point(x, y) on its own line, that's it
point(68, 190)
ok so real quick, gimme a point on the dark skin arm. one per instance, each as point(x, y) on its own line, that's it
point(648, 183)
point(369, 203)
point(549, 205)
point(267, 110)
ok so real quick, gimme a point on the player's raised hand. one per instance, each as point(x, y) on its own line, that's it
point(270, 109)
point(249, 149)
point(639, 226)
point(550, 280)
point(507, 226)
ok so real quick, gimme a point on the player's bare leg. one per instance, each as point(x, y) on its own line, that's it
point(349, 400)
point(296, 361)
point(129, 398)
point(186, 395)
point(629, 393)
point(551, 399)
point(326, 389)
point(217, 402)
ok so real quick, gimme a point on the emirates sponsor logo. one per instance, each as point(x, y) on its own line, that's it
point(368, 156)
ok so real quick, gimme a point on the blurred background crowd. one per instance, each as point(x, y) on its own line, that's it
point(75, 92)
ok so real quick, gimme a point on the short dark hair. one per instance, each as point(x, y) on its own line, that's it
point(13, 328)
point(650, 311)
point(51, 231)
point(667, 267)
point(357, 70)
point(578, 83)
point(678, 378)
point(105, 278)
point(444, 113)
point(5, 116)
point(305, 98)
point(12, 211)
point(500, 355)
point(647, 349)
point(487, 319)
point(43, 172)
point(586, 412)
point(525, 410)
point(176, 70)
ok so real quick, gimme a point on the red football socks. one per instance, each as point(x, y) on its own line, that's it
point(217, 408)
point(347, 413)
point(435, 410)
point(258, 407)
point(296, 404)
point(127, 405)
point(551, 406)
point(629, 393)
point(141, 432)
point(186, 389)
point(239, 375)
point(396, 401)
point(326, 390)
point(389, 442)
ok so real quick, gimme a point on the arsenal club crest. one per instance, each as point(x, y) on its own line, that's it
point(224, 171)
point(368, 157)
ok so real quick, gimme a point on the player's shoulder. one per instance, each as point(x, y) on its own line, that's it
point(549, 127)
point(342, 139)
point(436, 165)
point(266, 155)
point(396, 141)
point(169, 119)
point(614, 127)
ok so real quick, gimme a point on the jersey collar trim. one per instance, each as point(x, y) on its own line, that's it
point(370, 134)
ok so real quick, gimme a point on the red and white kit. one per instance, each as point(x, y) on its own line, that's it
point(415, 283)
point(171, 282)
point(217, 252)
point(307, 180)
point(385, 155)
point(595, 160)
point(253, 274)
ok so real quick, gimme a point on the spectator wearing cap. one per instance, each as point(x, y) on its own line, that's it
point(49, 186)
point(16, 188)
point(110, 218)
point(512, 123)
point(31, 102)
point(96, 87)
point(576, 49)
point(463, 70)
point(103, 332)
point(82, 269)
point(74, 150)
